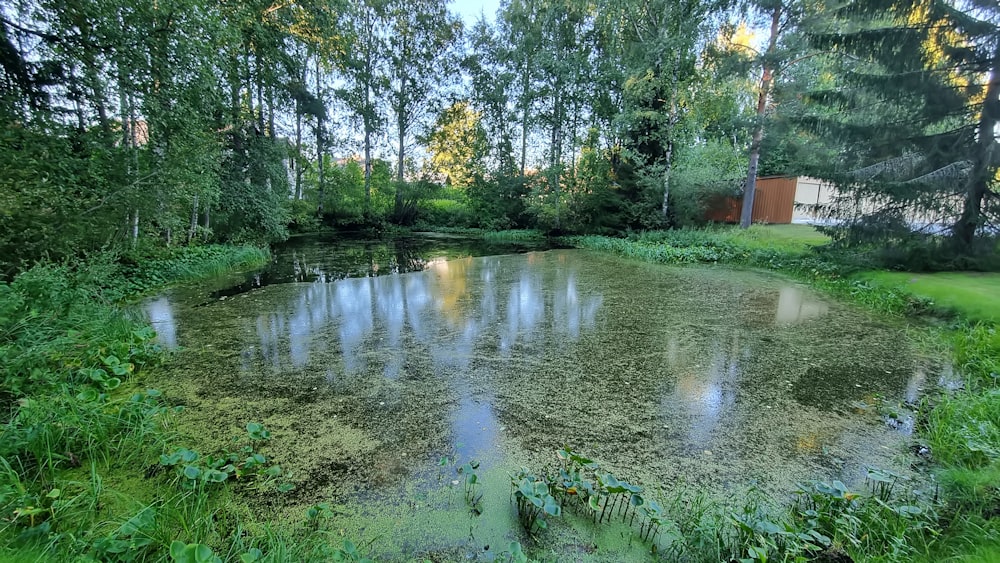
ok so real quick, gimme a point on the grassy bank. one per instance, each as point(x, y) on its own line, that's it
point(960, 430)
point(972, 296)
point(70, 431)
point(140, 272)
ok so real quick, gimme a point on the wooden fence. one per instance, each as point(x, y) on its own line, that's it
point(773, 203)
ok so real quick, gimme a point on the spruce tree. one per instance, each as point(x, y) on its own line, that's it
point(918, 106)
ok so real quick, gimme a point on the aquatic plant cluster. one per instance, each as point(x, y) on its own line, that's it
point(826, 520)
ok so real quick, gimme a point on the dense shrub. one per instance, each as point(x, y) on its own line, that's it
point(499, 204)
point(444, 212)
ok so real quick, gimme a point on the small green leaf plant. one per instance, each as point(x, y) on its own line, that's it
point(534, 501)
point(181, 552)
point(471, 483)
point(195, 470)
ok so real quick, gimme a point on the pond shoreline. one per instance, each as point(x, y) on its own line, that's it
point(391, 465)
point(307, 538)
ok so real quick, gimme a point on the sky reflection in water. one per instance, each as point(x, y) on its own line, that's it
point(669, 366)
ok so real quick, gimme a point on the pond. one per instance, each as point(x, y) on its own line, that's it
point(713, 378)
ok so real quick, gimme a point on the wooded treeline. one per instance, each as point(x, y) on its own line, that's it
point(175, 121)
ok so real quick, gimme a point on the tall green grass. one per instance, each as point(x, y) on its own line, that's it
point(143, 271)
point(66, 349)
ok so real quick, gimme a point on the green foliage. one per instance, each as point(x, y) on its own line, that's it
point(703, 174)
point(192, 553)
point(68, 350)
point(47, 195)
point(59, 326)
point(881, 525)
point(254, 211)
point(470, 480)
point(344, 197)
point(444, 212)
point(825, 520)
point(499, 203)
point(911, 110)
point(303, 216)
point(194, 471)
point(457, 146)
point(534, 501)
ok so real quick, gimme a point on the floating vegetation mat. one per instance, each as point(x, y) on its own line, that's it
point(378, 389)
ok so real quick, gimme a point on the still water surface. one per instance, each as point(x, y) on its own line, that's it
point(371, 361)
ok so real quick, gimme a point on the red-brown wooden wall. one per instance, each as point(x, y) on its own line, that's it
point(773, 203)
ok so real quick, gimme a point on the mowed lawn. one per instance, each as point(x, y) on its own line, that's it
point(974, 295)
point(796, 239)
point(793, 236)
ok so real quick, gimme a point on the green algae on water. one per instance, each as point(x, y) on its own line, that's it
point(719, 379)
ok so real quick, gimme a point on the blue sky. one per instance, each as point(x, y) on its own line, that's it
point(471, 9)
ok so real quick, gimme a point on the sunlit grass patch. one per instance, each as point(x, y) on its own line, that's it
point(974, 295)
point(788, 237)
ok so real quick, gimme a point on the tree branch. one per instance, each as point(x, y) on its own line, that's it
point(41, 34)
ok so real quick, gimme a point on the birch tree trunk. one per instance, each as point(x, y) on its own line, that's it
point(320, 153)
point(525, 108)
point(672, 119)
point(401, 119)
point(194, 220)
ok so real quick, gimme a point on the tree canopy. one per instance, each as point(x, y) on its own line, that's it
point(183, 121)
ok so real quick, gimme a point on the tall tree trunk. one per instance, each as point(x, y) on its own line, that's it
point(368, 118)
point(270, 112)
point(234, 90)
point(667, 168)
point(249, 97)
point(401, 126)
point(401, 121)
point(297, 160)
point(556, 149)
point(135, 227)
point(750, 187)
point(368, 171)
point(194, 219)
point(320, 153)
point(81, 122)
point(983, 169)
point(525, 108)
point(259, 79)
point(672, 119)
